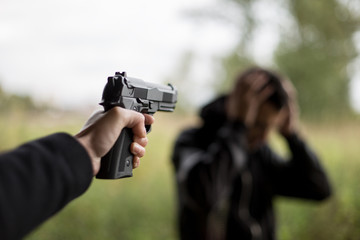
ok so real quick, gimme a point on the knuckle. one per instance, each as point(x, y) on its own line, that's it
point(143, 141)
point(142, 153)
point(146, 141)
point(142, 117)
point(117, 110)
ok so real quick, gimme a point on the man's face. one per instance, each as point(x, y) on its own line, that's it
point(265, 121)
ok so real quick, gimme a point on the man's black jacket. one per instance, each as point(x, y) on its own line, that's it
point(227, 193)
point(38, 179)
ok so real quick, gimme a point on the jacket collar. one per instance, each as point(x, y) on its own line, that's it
point(214, 113)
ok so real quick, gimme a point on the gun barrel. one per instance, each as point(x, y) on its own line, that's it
point(151, 91)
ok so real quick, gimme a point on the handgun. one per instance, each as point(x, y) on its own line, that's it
point(138, 95)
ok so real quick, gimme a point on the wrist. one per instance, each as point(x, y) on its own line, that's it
point(95, 161)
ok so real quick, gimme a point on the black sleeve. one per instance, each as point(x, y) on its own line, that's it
point(302, 176)
point(206, 162)
point(38, 179)
point(204, 172)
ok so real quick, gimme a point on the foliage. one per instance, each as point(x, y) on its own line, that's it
point(315, 48)
point(315, 54)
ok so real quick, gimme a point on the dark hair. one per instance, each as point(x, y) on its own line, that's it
point(279, 97)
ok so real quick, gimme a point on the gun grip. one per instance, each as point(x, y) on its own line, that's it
point(118, 162)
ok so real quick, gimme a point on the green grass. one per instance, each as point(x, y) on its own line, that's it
point(144, 206)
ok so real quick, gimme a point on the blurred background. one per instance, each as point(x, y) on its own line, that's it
point(55, 57)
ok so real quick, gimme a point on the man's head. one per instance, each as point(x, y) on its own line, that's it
point(279, 97)
point(264, 90)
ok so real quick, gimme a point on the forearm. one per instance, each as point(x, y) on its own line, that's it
point(309, 179)
point(302, 155)
point(38, 179)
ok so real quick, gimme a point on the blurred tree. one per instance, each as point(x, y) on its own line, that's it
point(180, 79)
point(235, 14)
point(240, 57)
point(314, 50)
point(316, 53)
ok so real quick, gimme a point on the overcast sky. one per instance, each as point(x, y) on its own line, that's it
point(62, 51)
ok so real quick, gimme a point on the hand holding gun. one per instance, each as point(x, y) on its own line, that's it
point(137, 95)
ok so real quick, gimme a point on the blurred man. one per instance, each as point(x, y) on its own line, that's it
point(227, 175)
point(40, 177)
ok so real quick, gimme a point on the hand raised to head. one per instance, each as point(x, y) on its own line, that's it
point(246, 98)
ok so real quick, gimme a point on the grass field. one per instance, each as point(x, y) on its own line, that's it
point(143, 207)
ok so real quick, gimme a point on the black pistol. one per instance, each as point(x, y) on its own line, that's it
point(140, 96)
